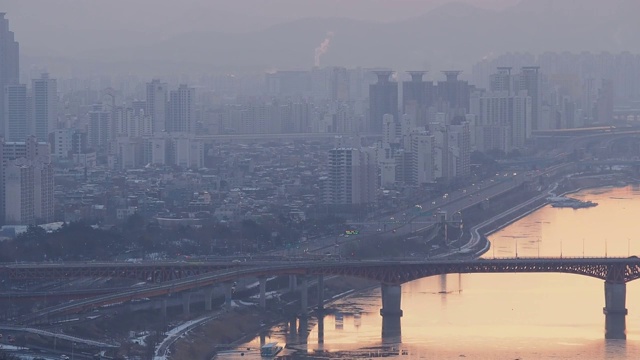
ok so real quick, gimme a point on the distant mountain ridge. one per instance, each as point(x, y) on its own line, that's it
point(450, 36)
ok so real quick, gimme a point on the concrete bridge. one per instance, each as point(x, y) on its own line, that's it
point(615, 272)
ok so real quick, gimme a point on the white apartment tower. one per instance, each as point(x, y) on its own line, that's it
point(99, 127)
point(352, 178)
point(423, 151)
point(19, 192)
point(503, 120)
point(459, 146)
point(27, 183)
point(182, 110)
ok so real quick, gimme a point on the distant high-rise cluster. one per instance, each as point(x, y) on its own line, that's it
point(160, 131)
point(396, 130)
point(26, 118)
point(575, 90)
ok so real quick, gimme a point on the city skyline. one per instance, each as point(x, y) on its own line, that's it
point(177, 178)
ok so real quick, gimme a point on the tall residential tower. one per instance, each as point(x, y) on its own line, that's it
point(383, 99)
point(157, 105)
point(9, 57)
point(45, 107)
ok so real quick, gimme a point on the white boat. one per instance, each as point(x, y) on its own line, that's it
point(270, 350)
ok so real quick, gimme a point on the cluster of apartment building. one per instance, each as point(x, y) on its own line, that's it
point(394, 130)
point(256, 181)
point(26, 117)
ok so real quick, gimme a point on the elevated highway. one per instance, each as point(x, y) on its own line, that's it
point(150, 271)
point(615, 272)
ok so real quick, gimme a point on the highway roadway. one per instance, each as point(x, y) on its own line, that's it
point(451, 203)
point(370, 269)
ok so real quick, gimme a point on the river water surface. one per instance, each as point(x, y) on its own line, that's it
point(494, 316)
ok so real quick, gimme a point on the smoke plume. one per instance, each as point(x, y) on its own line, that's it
point(322, 48)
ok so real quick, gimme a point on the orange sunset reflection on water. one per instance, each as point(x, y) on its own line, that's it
point(502, 316)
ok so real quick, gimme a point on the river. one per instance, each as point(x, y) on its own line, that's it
point(495, 316)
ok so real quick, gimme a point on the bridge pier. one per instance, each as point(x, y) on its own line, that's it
point(208, 298)
point(263, 289)
point(227, 294)
point(391, 329)
point(391, 298)
point(615, 310)
point(163, 307)
point(303, 330)
point(292, 331)
point(186, 303)
point(391, 312)
point(304, 296)
point(293, 282)
point(321, 329)
point(320, 292)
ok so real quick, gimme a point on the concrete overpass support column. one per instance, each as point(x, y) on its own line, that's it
point(227, 294)
point(163, 307)
point(391, 297)
point(293, 282)
point(320, 292)
point(263, 290)
point(186, 303)
point(304, 297)
point(208, 297)
point(615, 310)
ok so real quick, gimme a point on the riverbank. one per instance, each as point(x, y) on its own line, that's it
point(241, 324)
point(569, 185)
point(244, 324)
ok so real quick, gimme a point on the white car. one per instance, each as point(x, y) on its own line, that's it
point(64, 357)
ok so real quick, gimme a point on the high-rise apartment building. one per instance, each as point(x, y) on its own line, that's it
point(156, 105)
point(503, 120)
point(15, 112)
point(529, 80)
point(182, 110)
point(19, 192)
point(99, 127)
point(502, 80)
point(45, 107)
point(417, 97)
point(383, 99)
point(339, 84)
point(455, 93)
point(604, 104)
point(352, 178)
point(27, 182)
point(61, 143)
point(459, 146)
point(423, 152)
point(9, 62)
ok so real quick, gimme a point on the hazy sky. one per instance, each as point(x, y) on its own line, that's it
point(134, 32)
point(33, 19)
